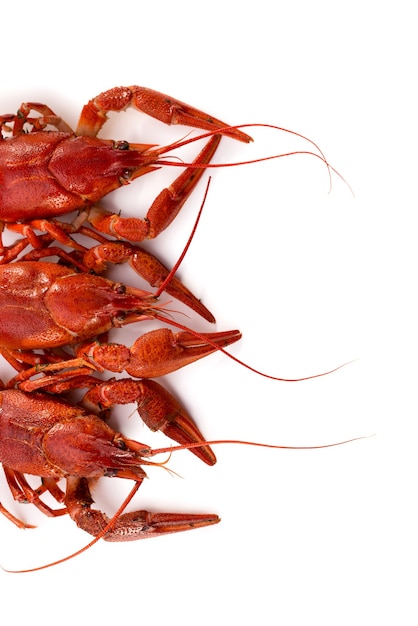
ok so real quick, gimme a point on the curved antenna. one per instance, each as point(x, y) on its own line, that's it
point(178, 144)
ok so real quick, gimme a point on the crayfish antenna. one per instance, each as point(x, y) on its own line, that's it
point(320, 155)
point(216, 442)
point(208, 341)
point(180, 326)
point(175, 267)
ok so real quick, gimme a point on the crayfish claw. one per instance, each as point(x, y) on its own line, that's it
point(161, 351)
point(161, 411)
point(143, 524)
point(129, 526)
point(158, 409)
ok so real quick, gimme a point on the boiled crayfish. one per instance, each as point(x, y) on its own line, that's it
point(45, 174)
point(54, 317)
point(55, 439)
point(44, 435)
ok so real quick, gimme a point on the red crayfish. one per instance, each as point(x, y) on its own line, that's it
point(46, 173)
point(51, 438)
point(54, 439)
point(54, 317)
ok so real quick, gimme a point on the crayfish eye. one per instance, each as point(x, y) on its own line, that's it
point(120, 288)
point(126, 174)
point(121, 145)
point(120, 444)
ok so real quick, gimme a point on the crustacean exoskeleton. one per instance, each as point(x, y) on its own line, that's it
point(48, 171)
point(45, 306)
point(45, 174)
point(48, 437)
point(55, 316)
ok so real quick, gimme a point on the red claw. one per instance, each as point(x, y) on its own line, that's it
point(158, 409)
point(158, 352)
point(129, 526)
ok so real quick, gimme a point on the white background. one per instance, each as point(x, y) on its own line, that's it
point(313, 279)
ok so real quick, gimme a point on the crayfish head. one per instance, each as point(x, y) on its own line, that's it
point(87, 305)
point(87, 447)
point(91, 168)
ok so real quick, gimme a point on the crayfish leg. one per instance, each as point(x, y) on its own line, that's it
point(15, 520)
point(23, 492)
point(160, 106)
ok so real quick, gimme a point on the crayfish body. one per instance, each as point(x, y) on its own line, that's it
point(46, 173)
point(45, 305)
point(55, 440)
